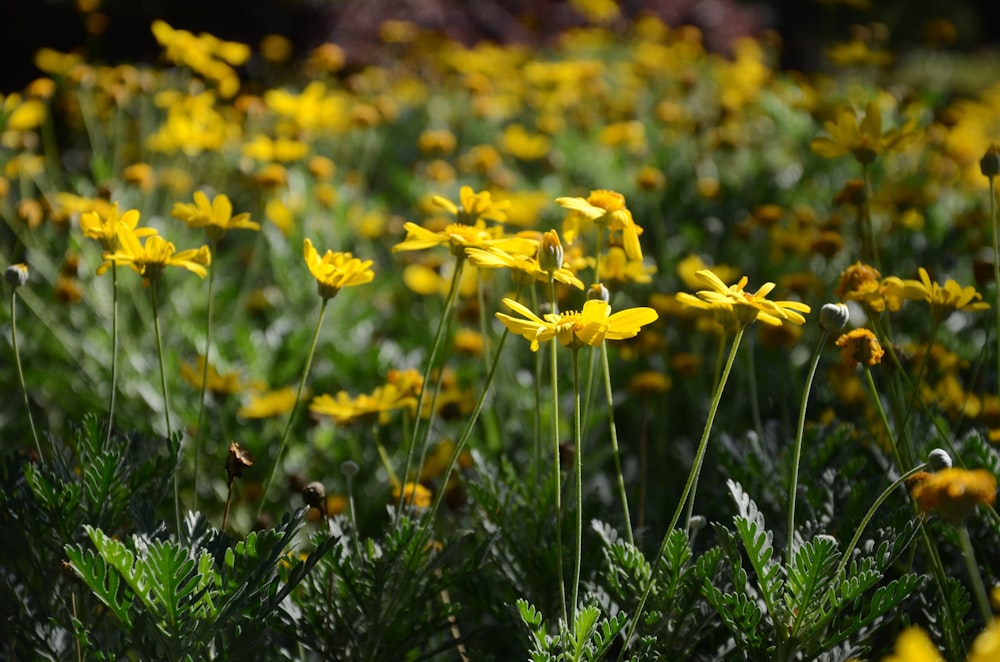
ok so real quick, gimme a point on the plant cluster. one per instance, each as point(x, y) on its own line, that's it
point(465, 344)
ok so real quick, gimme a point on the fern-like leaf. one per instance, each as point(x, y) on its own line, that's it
point(104, 581)
point(758, 543)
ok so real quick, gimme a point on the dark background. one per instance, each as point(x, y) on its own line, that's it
point(123, 35)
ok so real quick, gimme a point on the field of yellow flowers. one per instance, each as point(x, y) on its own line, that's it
point(616, 349)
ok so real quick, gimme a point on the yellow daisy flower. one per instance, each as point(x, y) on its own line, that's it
point(150, 259)
point(105, 230)
point(520, 265)
point(215, 216)
point(943, 299)
point(745, 306)
point(474, 207)
point(590, 326)
point(863, 139)
point(607, 208)
point(334, 271)
point(459, 237)
point(913, 645)
point(954, 493)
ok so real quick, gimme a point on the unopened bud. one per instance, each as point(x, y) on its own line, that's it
point(550, 253)
point(834, 316)
point(990, 163)
point(16, 275)
point(938, 459)
point(349, 468)
point(599, 292)
point(314, 494)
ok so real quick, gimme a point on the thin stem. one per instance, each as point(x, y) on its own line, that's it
point(204, 373)
point(435, 349)
point(166, 400)
point(866, 213)
point(969, 556)
point(114, 348)
point(295, 408)
point(536, 448)
point(578, 455)
point(758, 426)
point(883, 418)
point(614, 444)
point(557, 470)
point(689, 487)
point(640, 519)
point(859, 530)
point(797, 452)
point(229, 498)
point(20, 372)
point(996, 264)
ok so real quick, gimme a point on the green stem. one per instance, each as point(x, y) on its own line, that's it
point(882, 417)
point(20, 372)
point(859, 530)
point(578, 455)
point(613, 429)
point(866, 213)
point(797, 452)
point(166, 400)
point(114, 348)
point(557, 470)
point(295, 408)
point(536, 449)
point(969, 556)
point(204, 374)
point(752, 388)
point(435, 349)
point(689, 487)
point(996, 264)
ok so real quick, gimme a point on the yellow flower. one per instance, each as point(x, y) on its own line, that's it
point(913, 645)
point(590, 326)
point(863, 139)
point(954, 493)
point(943, 300)
point(106, 230)
point(520, 265)
point(986, 647)
point(460, 237)
point(216, 216)
point(745, 306)
point(473, 206)
point(414, 494)
point(860, 282)
point(688, 269)
point(219, 384)
point(336, 270)
point(150, 259)
point(607, 208)
point(343, 409)
point(860, 346)
point(269, 404)
point(615, 266)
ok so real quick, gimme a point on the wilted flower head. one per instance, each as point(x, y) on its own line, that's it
point(860, 346)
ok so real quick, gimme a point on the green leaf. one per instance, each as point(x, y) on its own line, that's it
point(870, 610)
point(758, 542)
point(812, 571)
point(104, 581)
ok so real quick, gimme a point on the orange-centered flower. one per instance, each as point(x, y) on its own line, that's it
point(745, 306)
